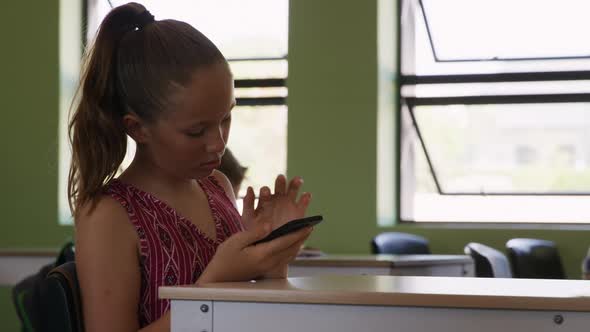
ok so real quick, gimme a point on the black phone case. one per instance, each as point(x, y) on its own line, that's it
point(291, 226)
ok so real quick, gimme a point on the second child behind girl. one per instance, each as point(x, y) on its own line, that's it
point(170, 217)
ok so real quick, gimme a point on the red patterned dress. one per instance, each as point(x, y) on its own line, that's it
point(173, 251)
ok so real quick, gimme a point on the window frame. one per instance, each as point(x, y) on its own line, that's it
point(438, 59)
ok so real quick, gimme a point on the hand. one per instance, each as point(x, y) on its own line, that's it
point(237, 259)
point(278, 208)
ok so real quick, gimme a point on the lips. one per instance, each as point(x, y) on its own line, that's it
point(211, 163)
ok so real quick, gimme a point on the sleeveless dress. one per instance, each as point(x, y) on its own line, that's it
point(173, 251)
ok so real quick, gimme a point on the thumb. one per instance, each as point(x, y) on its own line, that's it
point(258, 232)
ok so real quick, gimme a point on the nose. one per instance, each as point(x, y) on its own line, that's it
point(216, 142)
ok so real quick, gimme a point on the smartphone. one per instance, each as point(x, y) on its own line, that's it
point(290, 227)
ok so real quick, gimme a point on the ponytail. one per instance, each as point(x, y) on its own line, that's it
point(135, 66)
point(97, 135)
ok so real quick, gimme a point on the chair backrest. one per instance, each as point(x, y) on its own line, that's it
point(489, 262)
point(62, 300)
point(29, 294)
point(397, 243)
point(535, 258)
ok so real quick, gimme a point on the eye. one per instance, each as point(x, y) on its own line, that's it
point(196, 133)
point(227, 119)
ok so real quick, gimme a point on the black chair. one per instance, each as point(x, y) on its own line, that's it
point(534, 258)
point(397, 243)
point(29, 294)
point(62, 300)
point(489, 262)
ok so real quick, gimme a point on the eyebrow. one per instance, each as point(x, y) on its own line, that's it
point(201, 123)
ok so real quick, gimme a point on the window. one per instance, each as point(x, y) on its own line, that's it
point(70, 46)
point(525, 155)
point(495, 111)
point(252, 35)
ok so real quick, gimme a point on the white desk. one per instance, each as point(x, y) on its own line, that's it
point(396, 265)
point(382, 303)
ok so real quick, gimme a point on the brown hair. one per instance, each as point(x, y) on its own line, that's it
point(135, 65)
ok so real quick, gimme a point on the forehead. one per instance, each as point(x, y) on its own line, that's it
point(207, 97)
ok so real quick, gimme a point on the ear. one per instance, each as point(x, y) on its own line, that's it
point(135, 128)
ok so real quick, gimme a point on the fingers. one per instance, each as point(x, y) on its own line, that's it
point(294, 249)
point(284, 242)
point(247, 237)
point(290, 253)
point(294, 186)
point(248, 204)
point(304, 201)
point(280, 185)
point(264, 197)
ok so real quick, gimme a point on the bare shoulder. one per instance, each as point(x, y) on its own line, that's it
point(107, 218)
point(225, 184)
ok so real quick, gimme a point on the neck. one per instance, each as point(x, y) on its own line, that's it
point(146, 175)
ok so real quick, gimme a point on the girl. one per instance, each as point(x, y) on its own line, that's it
point(169, 218)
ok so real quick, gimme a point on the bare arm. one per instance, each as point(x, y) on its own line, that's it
point(108, 270)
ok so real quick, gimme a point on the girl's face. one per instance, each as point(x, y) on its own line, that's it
point(188, 141)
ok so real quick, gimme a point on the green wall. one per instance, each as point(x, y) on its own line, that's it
point(332, 116)
point(332, 135)
point(8, 319)
point(28, 132)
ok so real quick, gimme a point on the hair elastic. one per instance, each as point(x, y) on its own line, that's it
point(143, 19)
